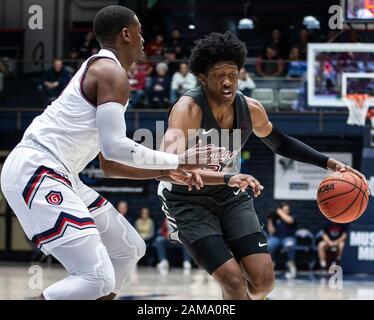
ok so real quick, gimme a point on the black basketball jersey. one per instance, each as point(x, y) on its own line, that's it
point(232, 139)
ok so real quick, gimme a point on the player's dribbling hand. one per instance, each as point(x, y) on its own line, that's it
point(244, 181)
point(341, 167)
point(190, 178)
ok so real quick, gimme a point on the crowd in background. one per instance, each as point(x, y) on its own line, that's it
point(156, 238)
point(163, 76)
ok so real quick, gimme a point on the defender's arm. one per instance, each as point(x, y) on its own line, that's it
point(112, 93)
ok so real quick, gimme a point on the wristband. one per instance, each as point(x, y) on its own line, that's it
point(227, 177)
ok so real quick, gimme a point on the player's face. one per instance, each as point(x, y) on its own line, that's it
point(137, 41)
point(222, 81)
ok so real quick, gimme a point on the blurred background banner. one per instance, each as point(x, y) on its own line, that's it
point(359, 251)
point(298, 181)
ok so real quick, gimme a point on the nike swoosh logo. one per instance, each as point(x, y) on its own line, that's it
point(206, 132)
point(236, 192)
point(262, 244)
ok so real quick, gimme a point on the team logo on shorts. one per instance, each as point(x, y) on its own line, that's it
point(54, 197)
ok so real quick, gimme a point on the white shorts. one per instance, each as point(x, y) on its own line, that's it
point(52, 205)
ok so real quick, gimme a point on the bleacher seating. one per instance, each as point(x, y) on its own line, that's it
point(287, 98)
point(305, 248)
point(277, 93)
point(266, 96)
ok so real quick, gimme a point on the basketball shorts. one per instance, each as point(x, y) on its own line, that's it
point(52, 205)
point(214, 228)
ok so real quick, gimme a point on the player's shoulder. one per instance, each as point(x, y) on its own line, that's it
point(186, 107)
point(108, 70)
point(255, 107)
point(254, 104)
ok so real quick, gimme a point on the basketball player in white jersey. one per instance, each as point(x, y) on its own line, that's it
point(61, 215)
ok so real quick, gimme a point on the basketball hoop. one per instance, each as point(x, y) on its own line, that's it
point(358, 105)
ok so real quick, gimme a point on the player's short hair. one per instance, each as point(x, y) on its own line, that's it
point(110, 21)
point(283, 204)
point(216, 47)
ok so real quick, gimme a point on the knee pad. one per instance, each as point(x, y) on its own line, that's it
point(133, 244)
point(120, 238)
point(140, 247)
point(102, 274)
point(92, 274)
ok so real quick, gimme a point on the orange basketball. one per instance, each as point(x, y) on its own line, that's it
point(342, 197)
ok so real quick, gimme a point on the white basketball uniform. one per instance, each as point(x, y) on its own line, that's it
point(60, 214)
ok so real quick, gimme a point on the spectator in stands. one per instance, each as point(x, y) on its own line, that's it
point(89, 43)
point(278, 42)
point(296, 67)
point(137, 85)
point(145, 226)
point(73, 62)
point(302, 43)
point(123, 209)
point(182, 81)
point(54, 81)
point(245, 82)
point(333, 239)
point(170, 57)
point(145, 66)
point(281, 228)
point(160, 88)
point(162, 242)
point(269, 64)
point(156, 46)
point(178, 44)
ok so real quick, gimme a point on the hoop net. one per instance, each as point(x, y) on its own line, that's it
point(358, 105)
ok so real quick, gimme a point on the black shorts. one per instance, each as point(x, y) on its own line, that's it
point(227, 217)
point(212, 251)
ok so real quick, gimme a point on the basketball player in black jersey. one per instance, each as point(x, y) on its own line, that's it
point(218, 224)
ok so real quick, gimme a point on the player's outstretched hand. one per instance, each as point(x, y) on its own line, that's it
point(190, 178)
point(199, 157)
point(244, 181)
point(336, 165)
